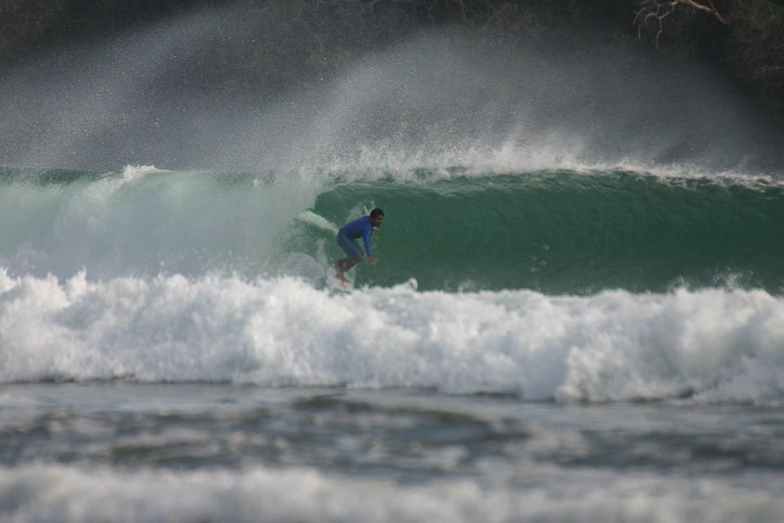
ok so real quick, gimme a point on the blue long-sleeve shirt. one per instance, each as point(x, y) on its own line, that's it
point(360, 228)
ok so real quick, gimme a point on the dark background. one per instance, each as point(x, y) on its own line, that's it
point(750, 48)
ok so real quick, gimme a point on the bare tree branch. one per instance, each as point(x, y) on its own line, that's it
point(657, 11)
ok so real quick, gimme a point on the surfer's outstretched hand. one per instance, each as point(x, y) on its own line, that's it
point(372, 260)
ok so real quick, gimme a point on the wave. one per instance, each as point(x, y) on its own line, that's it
point(571, 232)
point(710, 345)
point(564, 231)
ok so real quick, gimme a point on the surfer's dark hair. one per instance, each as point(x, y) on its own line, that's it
point(376, 212)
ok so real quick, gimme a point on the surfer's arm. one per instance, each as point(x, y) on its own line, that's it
point(368, 242)
point(368, 247)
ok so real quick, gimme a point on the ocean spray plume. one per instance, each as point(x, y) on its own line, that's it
point(452, 100)
point(439, 99)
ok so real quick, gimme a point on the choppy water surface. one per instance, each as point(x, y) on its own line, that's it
point(127, 451)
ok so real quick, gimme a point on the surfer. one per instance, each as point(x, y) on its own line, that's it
point(360, 228)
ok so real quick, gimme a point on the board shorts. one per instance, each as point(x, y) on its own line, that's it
point(349, 246)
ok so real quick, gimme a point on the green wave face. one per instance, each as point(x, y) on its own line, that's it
point(565, 232)
point(553, 231)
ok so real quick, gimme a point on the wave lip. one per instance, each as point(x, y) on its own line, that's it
point(709, 346)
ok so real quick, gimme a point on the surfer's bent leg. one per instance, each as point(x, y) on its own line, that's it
point(352, 251)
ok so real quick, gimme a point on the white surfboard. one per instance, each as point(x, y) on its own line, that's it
point(311, 218)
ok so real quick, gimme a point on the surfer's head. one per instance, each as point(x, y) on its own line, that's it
point(376, 217)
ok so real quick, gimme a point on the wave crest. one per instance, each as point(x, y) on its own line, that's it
point(710, 345)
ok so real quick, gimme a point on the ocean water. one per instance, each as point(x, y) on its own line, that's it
point(601, 344)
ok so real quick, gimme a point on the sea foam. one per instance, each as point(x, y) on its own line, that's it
point(63, 494)
point(712, 345)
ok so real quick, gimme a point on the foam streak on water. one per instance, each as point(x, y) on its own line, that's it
point(57, 494)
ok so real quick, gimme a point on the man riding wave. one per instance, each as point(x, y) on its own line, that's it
point(359, 228)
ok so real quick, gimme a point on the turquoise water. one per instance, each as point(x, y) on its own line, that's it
point(565, 232)
point(558, 232)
